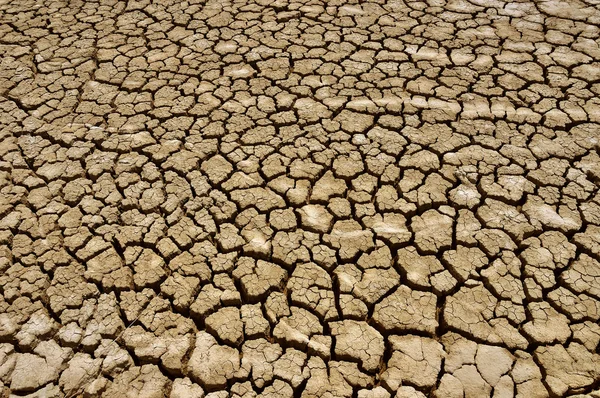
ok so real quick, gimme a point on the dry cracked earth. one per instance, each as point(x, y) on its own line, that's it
point(300, 199)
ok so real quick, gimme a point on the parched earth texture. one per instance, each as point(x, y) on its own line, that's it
point(213, 198)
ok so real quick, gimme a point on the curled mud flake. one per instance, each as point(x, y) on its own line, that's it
point(34, 370)
point(258, 277)
point(471, 310)
point(211, 364)
point(357, 340)
point(298, 327)
point(149, 269)
point(139, 381)
point(258, 357)
point(349, 238)
point(226, 324)
point(496, 214)
point(183, 388)
point(465, 261)
point(415, 360)
point(433, 231)
point(406, 310)
point(311, 287)
point(217, 168)
point(583, 275)
point(315, 217)
point(81, 371)
point(567, 368)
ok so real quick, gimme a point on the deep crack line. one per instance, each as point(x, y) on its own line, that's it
point(242, 199)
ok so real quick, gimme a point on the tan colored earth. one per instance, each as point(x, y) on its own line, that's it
point(299, 199)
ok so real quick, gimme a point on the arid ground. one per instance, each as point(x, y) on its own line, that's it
point(258, 198)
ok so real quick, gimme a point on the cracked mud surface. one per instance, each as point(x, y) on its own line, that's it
point(300, 199)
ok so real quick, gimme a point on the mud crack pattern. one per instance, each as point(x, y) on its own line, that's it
point(299, 199)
